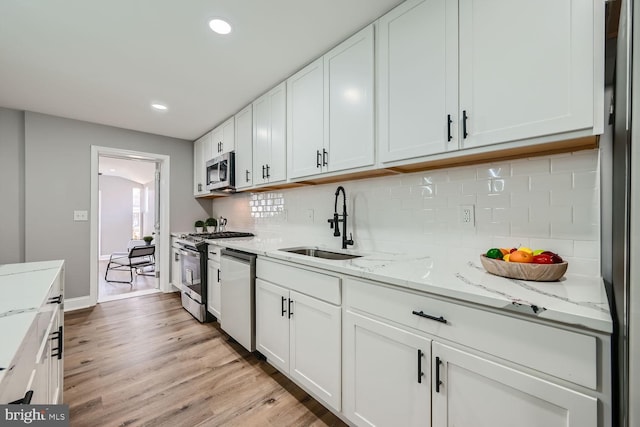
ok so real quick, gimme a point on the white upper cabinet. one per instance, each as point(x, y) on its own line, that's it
point(305, 120)
point(330, 110)
point(223, 140)
point(201, 153)
point(529, 68)
point(269, 136)
point(417, 79)
point(349, 106)
point(244, 148)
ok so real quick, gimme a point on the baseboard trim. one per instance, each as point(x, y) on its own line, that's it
point(71, 304)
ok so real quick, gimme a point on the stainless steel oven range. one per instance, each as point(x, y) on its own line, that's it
point(193, 266)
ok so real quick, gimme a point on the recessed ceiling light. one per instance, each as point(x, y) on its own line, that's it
point(220, 26)
point(159, 107)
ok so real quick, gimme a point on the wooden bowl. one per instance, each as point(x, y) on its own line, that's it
point(524, 271)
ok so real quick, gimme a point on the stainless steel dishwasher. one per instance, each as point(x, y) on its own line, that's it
point(237, 296)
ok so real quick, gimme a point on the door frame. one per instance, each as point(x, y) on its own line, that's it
point(162, 244)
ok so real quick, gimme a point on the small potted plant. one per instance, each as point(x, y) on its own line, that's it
point(199, 226)
point(211, 224)
point(147, 239)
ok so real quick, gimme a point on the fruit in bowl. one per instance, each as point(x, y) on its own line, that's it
point(524, 263)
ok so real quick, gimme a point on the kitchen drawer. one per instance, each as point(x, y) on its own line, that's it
point(561, 353)
point(213, 252)
point(318, 285)
point(19, 376)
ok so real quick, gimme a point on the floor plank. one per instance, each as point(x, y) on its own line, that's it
point(145, 361)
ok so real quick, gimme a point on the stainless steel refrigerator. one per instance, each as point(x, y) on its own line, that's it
point(620, 213)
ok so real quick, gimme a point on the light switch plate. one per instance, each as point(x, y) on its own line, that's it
point(81, 215)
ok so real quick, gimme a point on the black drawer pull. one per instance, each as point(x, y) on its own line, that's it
point(25, 400)
point(420, 373)
point(284, 310)
point(426, 316)
point(218, 275)
point(438, 382)
point(57, 337)
point(290, 311)
point(55, 300)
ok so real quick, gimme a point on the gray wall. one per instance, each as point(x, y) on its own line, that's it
point(116, 207)
point(11, 186)
point(56, 168)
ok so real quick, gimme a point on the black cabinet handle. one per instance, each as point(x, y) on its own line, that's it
point(427, 316)
point(262, 171)
point(284, 310)
point(25, 400)
point(268, 174)
point(290, 311)
point(218, 275)
point(449, 121)
point(246, 175)
point(58, 336)
point(438, 382)
point(55, 300)
point(325, 155)
point(420, 373)
point(464, 124)
point(318, 159)
point(199, 187)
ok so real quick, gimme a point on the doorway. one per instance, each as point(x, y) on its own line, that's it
point(129, 201)
point(127, 217)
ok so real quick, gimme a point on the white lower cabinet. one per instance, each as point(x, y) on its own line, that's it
point(387, 378)
point(476, 392)
point(299, 334)
point(176, 273)
point(414, 360)
point(213, 282)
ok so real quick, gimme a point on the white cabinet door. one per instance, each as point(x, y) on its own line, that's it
point(199, 170)
point(349, 82)
point(476, 392)
point(417, 79)
point(213, 289)
point(269, 136)
point(216, 142)
point(223, 139)
point(387, 377)
point(277, 166)
point(315, 352)
point(522, 78)
point(305, 121)
point(272, 323)
point(176, 279)
point(244, 148)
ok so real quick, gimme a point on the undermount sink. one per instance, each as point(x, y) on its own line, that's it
point(319, 253)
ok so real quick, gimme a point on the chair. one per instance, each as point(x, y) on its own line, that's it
point(136, 259)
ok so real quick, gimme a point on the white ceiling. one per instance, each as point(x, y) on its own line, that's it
point(140, 171)
point(107, 61)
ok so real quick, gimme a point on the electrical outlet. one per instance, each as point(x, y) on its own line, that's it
point(80, 215)
point(467, 216)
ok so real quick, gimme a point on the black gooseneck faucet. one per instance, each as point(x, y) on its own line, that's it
point(336, 220)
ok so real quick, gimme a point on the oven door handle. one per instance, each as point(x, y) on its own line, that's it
point(186, 253)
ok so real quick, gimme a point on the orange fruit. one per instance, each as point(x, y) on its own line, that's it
point(520, 256)
point(504, 251)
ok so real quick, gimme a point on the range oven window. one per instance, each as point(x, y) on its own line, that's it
point(191, 274)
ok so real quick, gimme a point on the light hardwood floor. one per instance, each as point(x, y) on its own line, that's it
point(145, 361)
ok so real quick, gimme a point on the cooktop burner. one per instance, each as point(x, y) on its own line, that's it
point(220, 235)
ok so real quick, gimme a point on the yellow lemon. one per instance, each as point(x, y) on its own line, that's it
point(506, 257)
point(527, 250)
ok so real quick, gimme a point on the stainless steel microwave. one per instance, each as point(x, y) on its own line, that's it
point(221, 173)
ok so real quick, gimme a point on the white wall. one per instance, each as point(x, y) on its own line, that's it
point(11, 186)
point(57, 167)
point(547, 202)
point(116, 213)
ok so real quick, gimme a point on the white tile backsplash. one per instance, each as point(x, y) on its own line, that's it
point(549, 202)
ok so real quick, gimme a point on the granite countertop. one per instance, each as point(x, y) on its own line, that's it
point(24, 288)
point(574, 300)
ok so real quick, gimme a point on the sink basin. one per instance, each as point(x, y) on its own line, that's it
point(319, 253)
